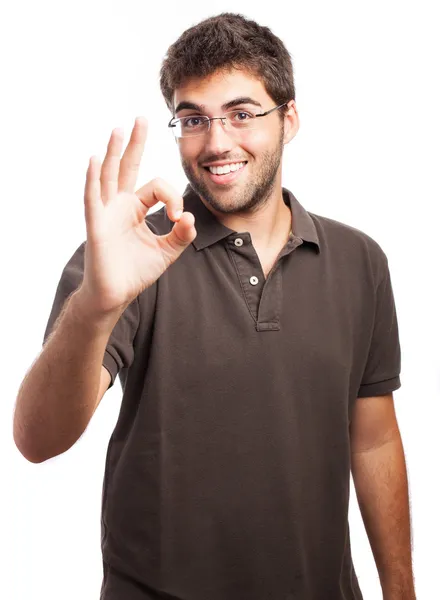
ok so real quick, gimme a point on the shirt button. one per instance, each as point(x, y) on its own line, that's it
point(238, 242)
point(254, 280)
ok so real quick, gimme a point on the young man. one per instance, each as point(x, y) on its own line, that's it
point(257, 369)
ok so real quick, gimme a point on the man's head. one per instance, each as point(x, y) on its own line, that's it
point(212, 64)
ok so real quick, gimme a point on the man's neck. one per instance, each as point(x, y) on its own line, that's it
point(269, 226)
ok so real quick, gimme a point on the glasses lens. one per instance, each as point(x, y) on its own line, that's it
point(241, 119)
point(199, 124)
point(188, 126)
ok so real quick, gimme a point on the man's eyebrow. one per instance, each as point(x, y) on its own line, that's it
point(241, 100)
point(201, 107)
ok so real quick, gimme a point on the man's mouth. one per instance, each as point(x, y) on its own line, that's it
point(226, 173)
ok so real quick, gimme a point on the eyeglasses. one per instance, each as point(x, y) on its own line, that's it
point(232, 120)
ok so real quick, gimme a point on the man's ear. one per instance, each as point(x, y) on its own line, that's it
point(291, 122)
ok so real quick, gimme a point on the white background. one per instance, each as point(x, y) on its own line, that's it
point(367, 154)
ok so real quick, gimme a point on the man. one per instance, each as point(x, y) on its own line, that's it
point(257, 348)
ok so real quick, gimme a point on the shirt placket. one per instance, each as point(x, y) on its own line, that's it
point(263, 297)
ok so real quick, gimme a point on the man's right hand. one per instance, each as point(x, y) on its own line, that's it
point(122, 255)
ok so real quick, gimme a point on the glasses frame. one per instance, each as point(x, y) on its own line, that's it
point(222, 119)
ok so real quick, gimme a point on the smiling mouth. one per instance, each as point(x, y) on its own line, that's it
point(228, 178)
point(226, 169)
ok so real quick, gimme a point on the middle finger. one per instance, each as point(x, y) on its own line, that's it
point(132, 156)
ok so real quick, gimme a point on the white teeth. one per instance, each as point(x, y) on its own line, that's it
point(226, 168)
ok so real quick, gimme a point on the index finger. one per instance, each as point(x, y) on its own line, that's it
point(131, 159)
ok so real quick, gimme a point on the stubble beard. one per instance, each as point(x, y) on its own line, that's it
point(248, 198)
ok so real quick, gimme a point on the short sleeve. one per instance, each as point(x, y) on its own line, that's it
point(382, 371)
point(119, 352)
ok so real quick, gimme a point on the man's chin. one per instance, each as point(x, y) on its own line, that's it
point(222, 198)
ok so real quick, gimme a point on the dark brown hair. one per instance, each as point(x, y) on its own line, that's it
point(225, 42)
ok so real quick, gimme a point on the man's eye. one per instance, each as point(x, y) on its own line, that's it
point(192, 122)
point(243, 116)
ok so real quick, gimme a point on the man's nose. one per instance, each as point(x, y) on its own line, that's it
point(219, 139)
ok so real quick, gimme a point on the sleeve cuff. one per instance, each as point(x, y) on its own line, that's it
point(111, 365)
point(380, 388)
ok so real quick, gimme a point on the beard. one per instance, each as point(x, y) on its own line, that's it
point(248, 198)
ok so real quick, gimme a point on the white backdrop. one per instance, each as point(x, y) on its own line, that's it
point(367, 154)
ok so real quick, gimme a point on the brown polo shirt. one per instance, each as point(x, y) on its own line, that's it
point(228, 471)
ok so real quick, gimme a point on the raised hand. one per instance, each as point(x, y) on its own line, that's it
point(122, 255)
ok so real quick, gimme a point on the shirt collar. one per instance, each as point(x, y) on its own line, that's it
point(210, 230)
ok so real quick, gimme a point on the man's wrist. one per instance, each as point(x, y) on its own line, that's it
point(82, 312)
point(399, 588)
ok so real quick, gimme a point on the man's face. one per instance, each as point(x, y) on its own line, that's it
point(261, 148)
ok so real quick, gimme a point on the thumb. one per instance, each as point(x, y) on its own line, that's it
point(181, 235)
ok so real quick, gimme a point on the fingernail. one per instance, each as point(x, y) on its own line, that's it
point(178, 214)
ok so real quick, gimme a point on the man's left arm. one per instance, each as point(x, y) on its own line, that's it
point(380, 478)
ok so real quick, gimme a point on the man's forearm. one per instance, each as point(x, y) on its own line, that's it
point(381, 485)
point(57, 396)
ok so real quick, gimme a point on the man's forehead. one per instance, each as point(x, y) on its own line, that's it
point(219, 89)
